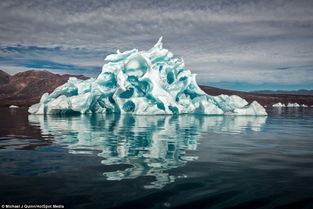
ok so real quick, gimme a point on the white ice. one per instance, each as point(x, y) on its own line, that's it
point(279, 104)
point(293, 105)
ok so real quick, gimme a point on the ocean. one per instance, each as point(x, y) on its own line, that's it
point(184, 161)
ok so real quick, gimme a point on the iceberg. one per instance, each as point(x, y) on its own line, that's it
point(279, 104)
point(293, 105)
point(13, 106)
point(152, 82)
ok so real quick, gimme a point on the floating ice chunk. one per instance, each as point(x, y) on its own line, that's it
point(13, 106)
point(37, 109)
point(293, 105)
point(303, 105)
point(253, 109)
point(145, 83)
point(279, 104)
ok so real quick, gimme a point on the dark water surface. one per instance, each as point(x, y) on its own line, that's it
point(112, 161)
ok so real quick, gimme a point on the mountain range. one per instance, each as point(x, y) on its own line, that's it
point(26, 88)
point(294, 92)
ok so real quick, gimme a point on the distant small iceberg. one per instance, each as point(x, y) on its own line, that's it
point(13, 106)
point(279, 104)
point(293, 105)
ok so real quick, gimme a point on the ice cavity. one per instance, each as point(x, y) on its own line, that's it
point(141, 82)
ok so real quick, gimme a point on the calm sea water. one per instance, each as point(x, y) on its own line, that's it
point(116, 161)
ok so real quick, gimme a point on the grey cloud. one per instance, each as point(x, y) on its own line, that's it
point(216, 38)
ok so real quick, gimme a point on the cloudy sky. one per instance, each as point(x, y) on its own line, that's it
point(234, 44)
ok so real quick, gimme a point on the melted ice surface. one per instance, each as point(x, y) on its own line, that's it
point(144, 83)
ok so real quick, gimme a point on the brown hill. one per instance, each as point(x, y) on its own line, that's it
point(293, 92)
point(4, 77)
point(263, 99)
point(26, 88)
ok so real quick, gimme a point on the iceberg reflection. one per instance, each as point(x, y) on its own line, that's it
point(150, 145)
